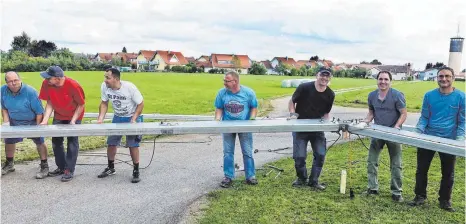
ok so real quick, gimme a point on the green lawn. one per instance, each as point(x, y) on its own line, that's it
point(172, 93)
point(275, 201)
point(413, 91)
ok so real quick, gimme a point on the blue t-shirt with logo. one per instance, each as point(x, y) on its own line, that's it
point(22, 106)
point(236, 106)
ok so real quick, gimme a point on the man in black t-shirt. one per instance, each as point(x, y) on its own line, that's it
point(312, 100)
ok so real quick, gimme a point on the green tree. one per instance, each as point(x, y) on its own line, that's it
point(257, 69)
point(41, 48)
point(21, 42)
point(124, 50)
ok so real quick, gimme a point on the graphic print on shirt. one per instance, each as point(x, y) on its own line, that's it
point(117, 102)
point(234, 108)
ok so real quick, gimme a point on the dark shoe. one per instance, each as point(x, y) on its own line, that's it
point(67, 176)
point(56, 172)
point(251, 181)
point(372, 192)
point(107, 172)
point(418, 200)
point(317, 186)
point(136, 178)
point(299, 183)
point(8, 167)
point(397, 198)
point(43, 172)
point(226, 182)
point(446, 205)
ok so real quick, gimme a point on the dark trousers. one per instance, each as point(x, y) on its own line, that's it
point(319, 149)
point(424, 158)
point(67, 161)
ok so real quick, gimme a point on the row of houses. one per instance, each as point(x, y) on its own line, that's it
point(159, 60)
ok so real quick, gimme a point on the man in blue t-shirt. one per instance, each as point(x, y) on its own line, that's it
point(21, 106)
point(236, 102)
point(442, 115)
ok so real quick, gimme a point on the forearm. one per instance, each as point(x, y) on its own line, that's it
point(369, 117)
point(48, 111)
point(253, 113)
point(77, 113)
point(218, 114)
point(402, 119)
point(137, 112)
point(39, 118)
point(291, 107)
point(102, 110)
point(6, 117)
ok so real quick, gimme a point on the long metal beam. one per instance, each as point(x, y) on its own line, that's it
point(411, 138)
point(160, 117)
point(201, 127)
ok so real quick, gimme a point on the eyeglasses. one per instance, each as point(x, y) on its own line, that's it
point(12, 81)
point(445, 76)
point(228, 80)
point(384, 79)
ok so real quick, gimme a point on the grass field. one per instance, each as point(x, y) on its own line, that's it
point(275, 201)
point(172, 93)
point(413, 91)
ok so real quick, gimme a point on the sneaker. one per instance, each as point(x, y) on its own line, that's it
point(135, 176)
point(317, 186)
point(397, 198)
point(372, 192)
point(251, 181)
point(56, 172)
point(418, 200)
point(446, 205)
point(299, 183)
point(107, 172)
point(226, 182)
point(43, 172)
point(8, 167)
point(67, 176)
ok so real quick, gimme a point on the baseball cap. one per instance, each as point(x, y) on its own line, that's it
point(52, 71)
point(324, 70)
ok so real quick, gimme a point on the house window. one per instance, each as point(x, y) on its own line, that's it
point(225, 62)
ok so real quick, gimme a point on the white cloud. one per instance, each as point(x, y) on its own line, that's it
point(394, 32)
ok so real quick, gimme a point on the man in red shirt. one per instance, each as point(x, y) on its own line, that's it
point(65, 98)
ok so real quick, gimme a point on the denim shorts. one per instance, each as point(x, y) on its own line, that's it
point(131, 140)
point(37, 141)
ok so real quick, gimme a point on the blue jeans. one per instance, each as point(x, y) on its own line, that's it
point(319, 149)
point(69, 161)
point(245, 140)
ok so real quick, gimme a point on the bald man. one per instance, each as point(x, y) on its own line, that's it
point(21, 106)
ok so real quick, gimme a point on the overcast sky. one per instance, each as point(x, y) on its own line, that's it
point(394, 32)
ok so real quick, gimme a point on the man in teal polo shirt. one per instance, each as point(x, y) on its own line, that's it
point(21, 106)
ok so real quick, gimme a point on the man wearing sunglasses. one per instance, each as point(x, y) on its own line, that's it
point(21, 106)
point(387, 107)
point(236, 102)
point(312, 100)
point(65, 97)
point(442, 115)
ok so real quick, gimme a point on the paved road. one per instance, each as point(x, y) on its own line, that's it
point(180, 173)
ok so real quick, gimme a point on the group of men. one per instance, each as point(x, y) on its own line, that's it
point(21, 105)
point(442, 115)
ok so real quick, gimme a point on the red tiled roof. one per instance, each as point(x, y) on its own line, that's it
point(328, 63)
point(286, 60)
point(243, 59)
point(207, 58)
point(206, 64)
point(168, 55)
point(105, 56)
point(190, 59)
point(147, 54)
point(267, 64)
point(301, 63)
